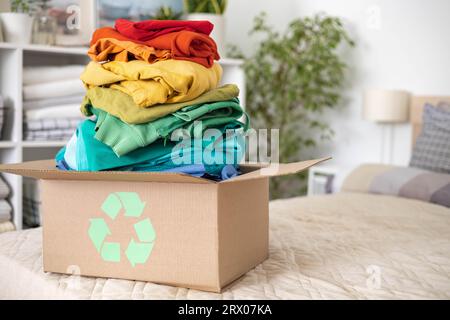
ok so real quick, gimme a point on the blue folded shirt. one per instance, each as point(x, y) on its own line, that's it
point(214, 158)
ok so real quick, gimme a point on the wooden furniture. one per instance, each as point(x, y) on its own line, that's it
point(416, 110)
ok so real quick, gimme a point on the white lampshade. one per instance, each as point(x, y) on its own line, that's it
point(386, 105)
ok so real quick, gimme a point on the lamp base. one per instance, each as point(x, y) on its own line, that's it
point(387, 143)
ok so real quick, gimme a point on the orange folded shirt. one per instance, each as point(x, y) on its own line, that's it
point(109, 44)
point(110, 49)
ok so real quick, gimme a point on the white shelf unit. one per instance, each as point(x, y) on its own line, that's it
point(12, 147)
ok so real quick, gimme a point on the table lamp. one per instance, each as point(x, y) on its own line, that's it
point(386, 107)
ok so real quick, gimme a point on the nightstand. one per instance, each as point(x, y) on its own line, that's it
point(326, 179)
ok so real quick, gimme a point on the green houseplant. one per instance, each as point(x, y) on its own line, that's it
point(211, 10)
point(292, 77)
point(21, 6)
point(18, 23)
point(205, 6)
point(167, 13)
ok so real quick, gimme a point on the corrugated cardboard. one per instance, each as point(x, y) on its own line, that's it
point(207, 234)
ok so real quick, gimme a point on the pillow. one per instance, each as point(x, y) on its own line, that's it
point(432, 149)
point(444, 105)
point(406, 182)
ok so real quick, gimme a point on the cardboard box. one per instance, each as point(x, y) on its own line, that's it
point(166, 228)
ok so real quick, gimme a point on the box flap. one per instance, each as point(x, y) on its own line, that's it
point(45, 169)
point(275, 170)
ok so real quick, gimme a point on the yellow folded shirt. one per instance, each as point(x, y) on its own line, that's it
point(123, 107)
point(168, 81)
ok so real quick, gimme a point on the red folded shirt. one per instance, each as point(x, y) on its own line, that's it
point(187, 45)
point(150, 29)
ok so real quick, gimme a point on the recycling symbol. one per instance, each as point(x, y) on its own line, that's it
point(137, 251)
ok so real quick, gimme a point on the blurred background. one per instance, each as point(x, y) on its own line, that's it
point(313, 69)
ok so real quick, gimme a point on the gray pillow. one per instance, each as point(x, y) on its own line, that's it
point(432, 149)
point(402, 182)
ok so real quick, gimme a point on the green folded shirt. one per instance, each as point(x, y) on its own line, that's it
point(123, 107)
point(85, 153)
point(194, 120)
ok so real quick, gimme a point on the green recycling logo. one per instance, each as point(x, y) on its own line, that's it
point(136, 251)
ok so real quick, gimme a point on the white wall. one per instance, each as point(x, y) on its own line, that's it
point(408, 48)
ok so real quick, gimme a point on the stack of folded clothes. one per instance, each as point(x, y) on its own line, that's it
point(155, 105)
point(52, 95)
point(5, 207)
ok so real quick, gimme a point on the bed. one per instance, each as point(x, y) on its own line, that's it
point(350, 245)
point(344, 246)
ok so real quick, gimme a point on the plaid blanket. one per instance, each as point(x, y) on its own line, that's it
point(31, 203)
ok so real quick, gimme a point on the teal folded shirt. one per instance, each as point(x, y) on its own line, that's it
point(194, 120)
point(90, 154)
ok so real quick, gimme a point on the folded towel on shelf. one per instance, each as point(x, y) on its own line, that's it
point(31, 203)
point(51, 124)
point(43, 74)
point(55, 112)
point(48, 135)
point(53, 89)
point(5, 211)
point(51, 102)
point(7, 226)
point(4, 189)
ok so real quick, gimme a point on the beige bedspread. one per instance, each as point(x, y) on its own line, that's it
point(345, 246)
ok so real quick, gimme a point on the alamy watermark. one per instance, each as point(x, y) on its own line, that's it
point(73, 21)
point(232, 146)
point(374, 18)
point(373, 281)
